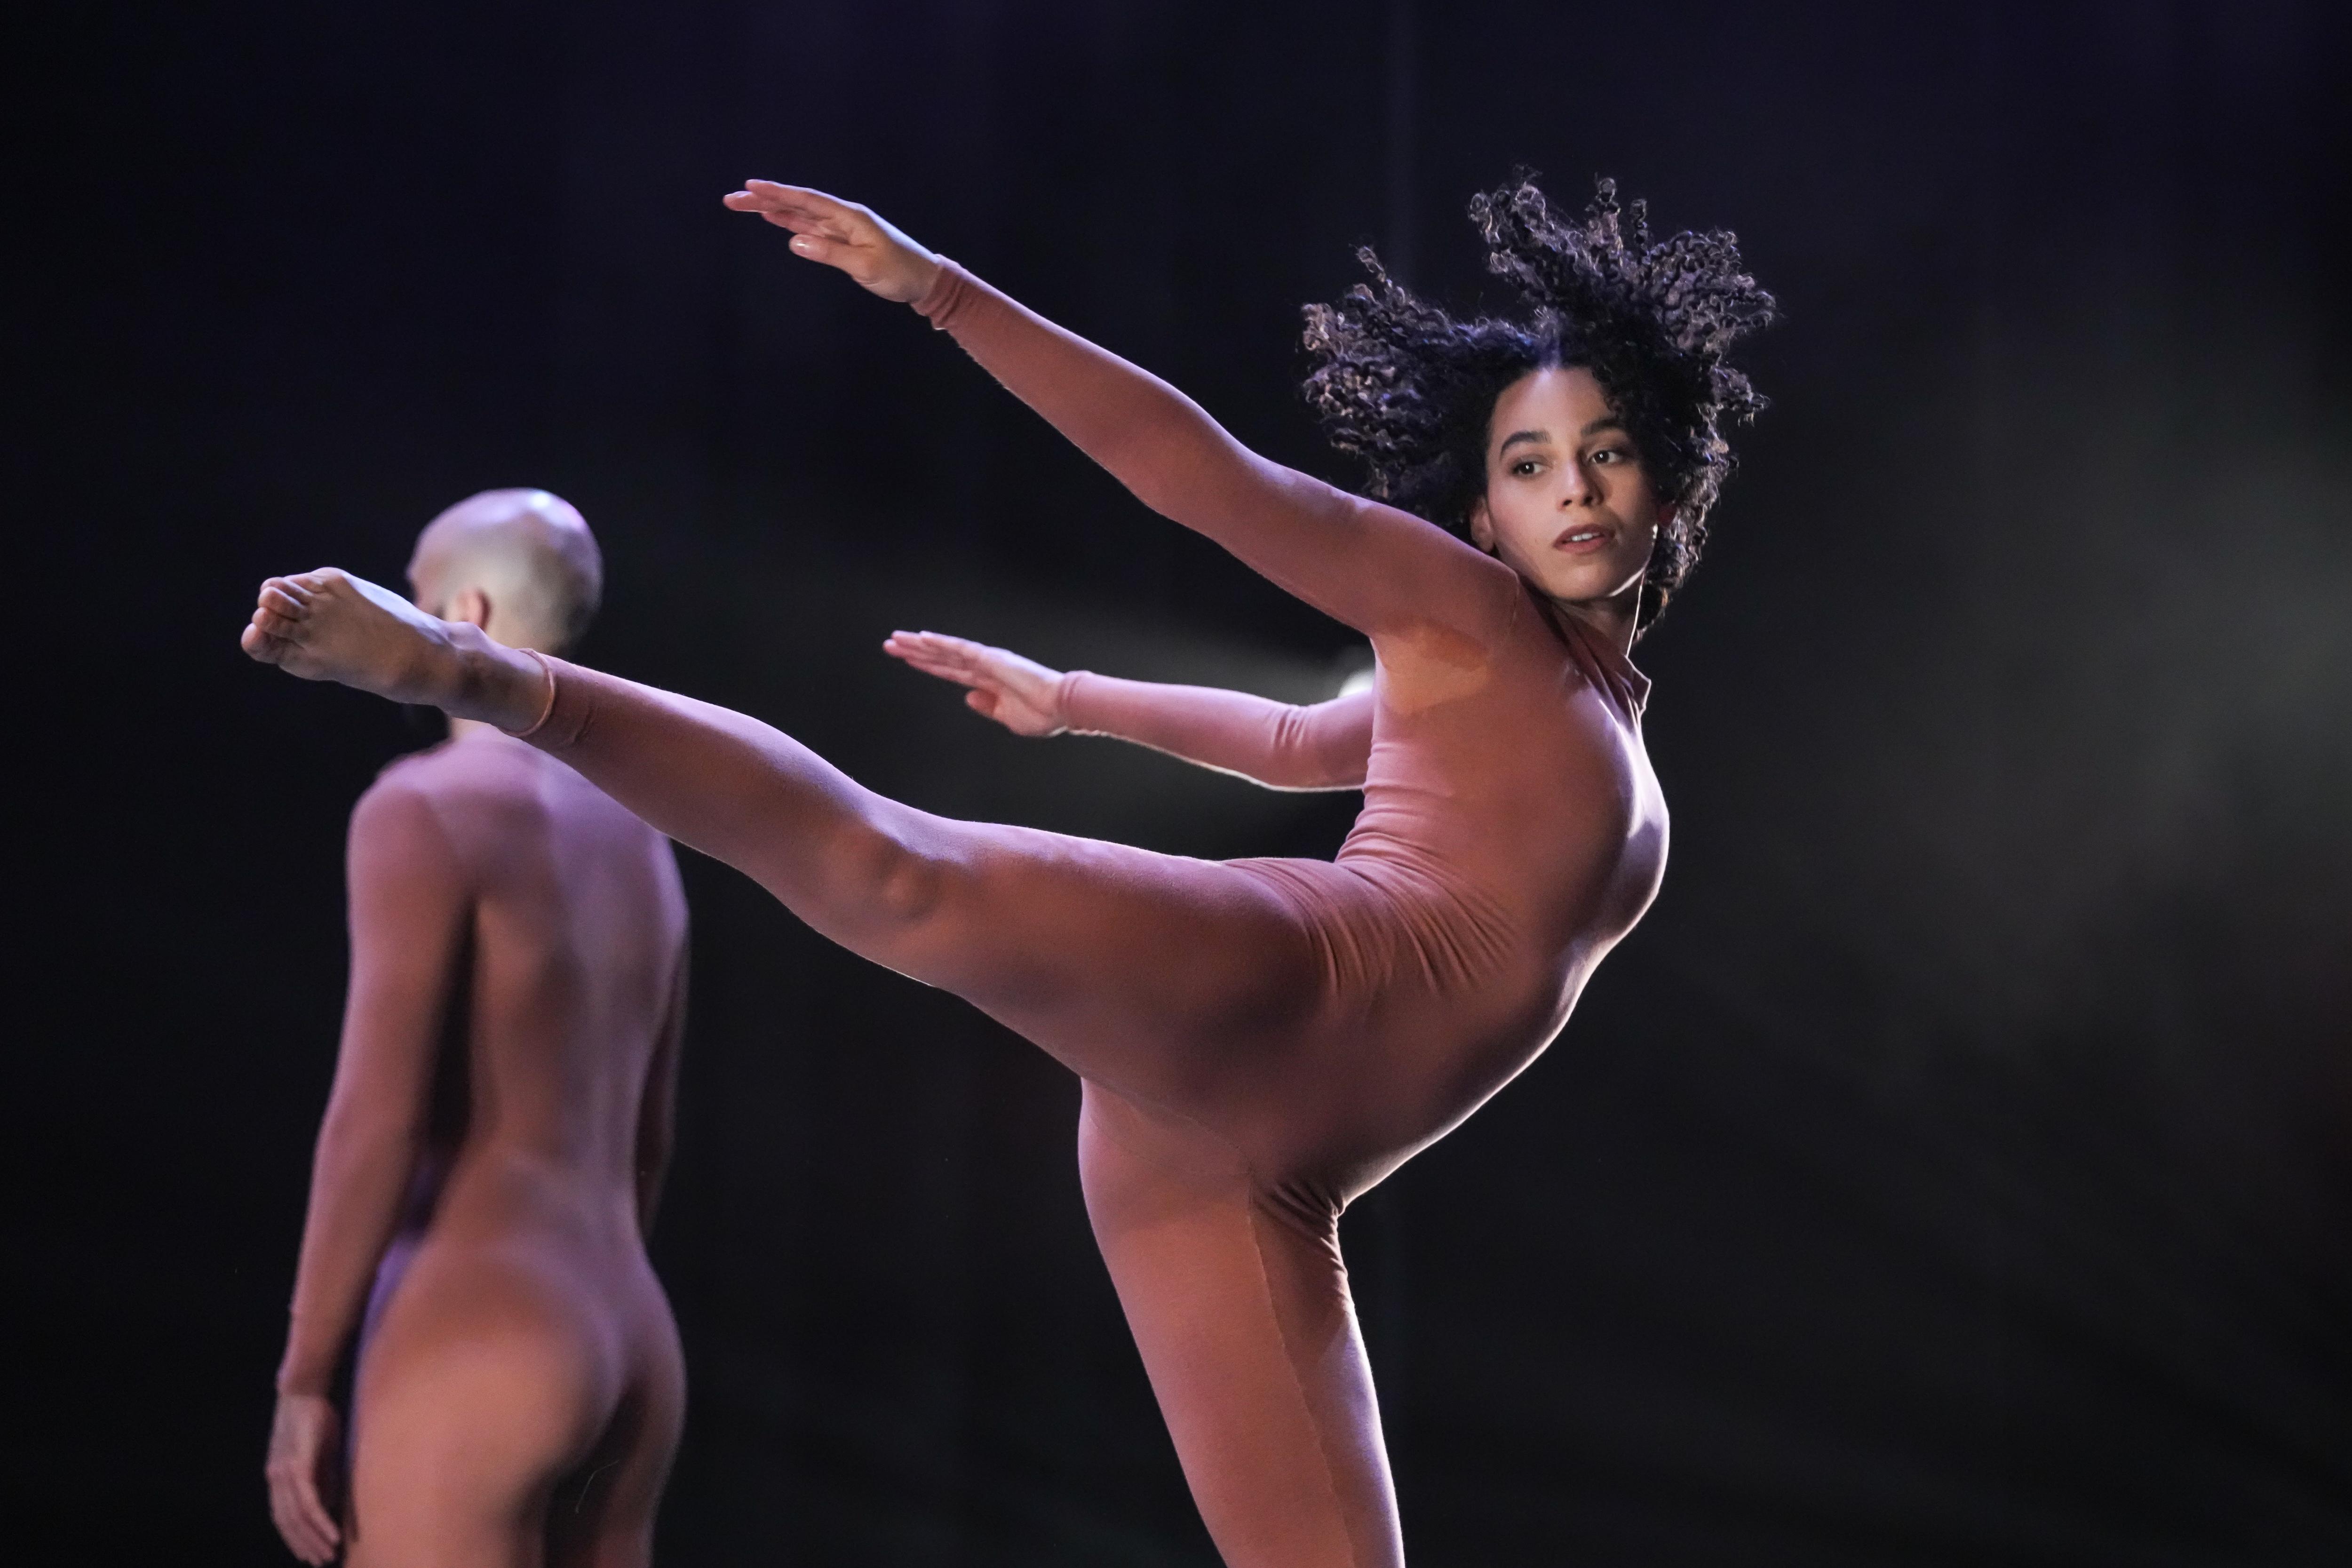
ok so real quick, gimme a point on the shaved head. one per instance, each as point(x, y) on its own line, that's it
point(528, 553)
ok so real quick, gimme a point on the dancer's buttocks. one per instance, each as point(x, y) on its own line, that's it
point(520, 1238)
point(1429, 994)
point(558, 1322)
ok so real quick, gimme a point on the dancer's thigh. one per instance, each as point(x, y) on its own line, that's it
point(488, 1380)
point(1186, 983)
point(1246, 1330)
point(1151, 971)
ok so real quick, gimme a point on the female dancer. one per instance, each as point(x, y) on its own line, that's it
point(1260, 1040)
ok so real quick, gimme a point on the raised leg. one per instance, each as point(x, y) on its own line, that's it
point(1181, 982)
point(1178, 979)
point(1238, 1301)
point(327, 624)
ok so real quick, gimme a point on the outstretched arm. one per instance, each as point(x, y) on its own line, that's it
point(1370, 566)
point(408, 908)
point(1325, 746)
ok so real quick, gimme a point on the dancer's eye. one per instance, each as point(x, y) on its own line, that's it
point(1525, 468)
point(1612, 455)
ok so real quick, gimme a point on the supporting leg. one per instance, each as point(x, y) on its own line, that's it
point(490, 1381)
point(601, 1516)
point(1241, 1313)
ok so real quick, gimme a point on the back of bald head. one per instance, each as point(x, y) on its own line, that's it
point(528, 553)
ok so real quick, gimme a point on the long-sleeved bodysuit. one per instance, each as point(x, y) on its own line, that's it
point(1260, 1040)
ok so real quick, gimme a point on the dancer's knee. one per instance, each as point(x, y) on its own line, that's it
point(888, 883)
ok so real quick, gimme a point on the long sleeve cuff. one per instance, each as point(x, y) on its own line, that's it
point(570, 704)
point(946, 297)
point(1071, 710)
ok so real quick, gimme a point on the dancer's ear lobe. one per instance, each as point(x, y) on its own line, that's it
point(1482, 527)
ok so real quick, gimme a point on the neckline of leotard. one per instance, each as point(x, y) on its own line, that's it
point(1605, 665)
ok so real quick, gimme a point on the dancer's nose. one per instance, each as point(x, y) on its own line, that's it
point(1576, 486)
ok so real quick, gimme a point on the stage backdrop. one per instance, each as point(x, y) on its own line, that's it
point(1952, 1168)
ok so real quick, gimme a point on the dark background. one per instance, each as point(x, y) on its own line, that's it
point(1953, 1168)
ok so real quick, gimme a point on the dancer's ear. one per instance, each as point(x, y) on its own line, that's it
point(471, 605)
point(1482, 527)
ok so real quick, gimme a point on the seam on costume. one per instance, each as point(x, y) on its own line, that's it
point(1087, 1112)
point(1253, 1187)
point(941, 300)
point(1290, 1360)
point(1063, 689)
point(547, 709)
point(1309, 916)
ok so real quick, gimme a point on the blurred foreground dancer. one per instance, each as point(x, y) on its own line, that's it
point(496, 1133)
point(1260, 1040)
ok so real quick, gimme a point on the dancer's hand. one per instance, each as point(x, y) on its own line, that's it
point(844, 235)
point(1019, 693)
point(302, 1451)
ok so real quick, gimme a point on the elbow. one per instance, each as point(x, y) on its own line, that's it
point(1198, 482)
point(359, 1138)
point(1345, 771)
point(1305, 757)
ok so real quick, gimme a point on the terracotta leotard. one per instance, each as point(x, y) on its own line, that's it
point(1261, 1040)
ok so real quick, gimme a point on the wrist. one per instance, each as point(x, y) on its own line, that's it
point(302, 1383)
point(1063, 688)
point(933, 300)
point(305, 1372)
point(929, 267)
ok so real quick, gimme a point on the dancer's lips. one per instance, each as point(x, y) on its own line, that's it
point(1585, 538)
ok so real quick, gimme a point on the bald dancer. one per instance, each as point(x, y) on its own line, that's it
point(496, 1132)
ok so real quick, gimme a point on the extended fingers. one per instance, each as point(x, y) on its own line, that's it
point(798, 208)
point(933, 644)
point(945, 669)
point(941, 645)
point(816, 248)
point(775, 195)
point(950, 658)
point(321, 1523)
point(302, 1519)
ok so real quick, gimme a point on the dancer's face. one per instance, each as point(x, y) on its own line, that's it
point(1569, 505)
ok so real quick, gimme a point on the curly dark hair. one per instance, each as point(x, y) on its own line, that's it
point(1411, 389)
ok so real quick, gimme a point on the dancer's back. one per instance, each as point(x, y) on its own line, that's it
point(496, 1134)
point(521, 1340)
point(575, 935)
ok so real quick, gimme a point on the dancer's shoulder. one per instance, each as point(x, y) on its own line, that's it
point(455, 782)
point(1440, 585)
